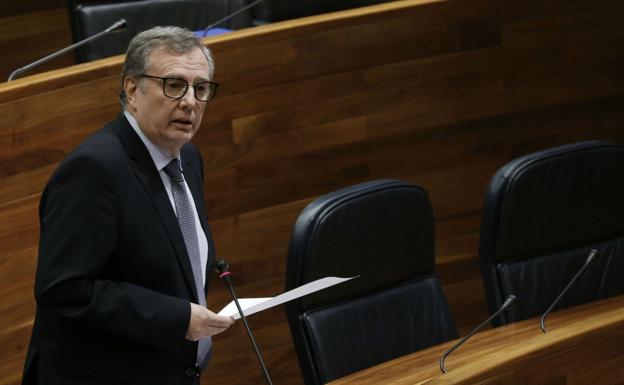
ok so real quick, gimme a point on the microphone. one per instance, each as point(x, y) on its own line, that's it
point(592, 255)
point(230, 16)
point(223, 270)
point(119, 24)
point(511, 300)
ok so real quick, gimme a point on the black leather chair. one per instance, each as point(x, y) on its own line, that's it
point(72, 6)
point(91, 18)
point(270, 11)
point(383, 232)
point(542, 215)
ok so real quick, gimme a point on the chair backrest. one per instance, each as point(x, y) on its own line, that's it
point(72, 6)
point(383, 232)
point(542, 215)
point(195, 15)
point(270, 11)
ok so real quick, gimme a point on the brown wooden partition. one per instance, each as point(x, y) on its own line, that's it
point(438, 93)
point(30, 30)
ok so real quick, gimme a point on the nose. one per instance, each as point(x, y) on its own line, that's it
point(188, 100)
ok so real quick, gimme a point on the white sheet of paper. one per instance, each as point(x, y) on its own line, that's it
point(245, 303)
point(255, 305)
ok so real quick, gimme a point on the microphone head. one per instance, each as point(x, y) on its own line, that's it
point(120, 25)
point(221, 266)
point(593, 254)
point(510, 300)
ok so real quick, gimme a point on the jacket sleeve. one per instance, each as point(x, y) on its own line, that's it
point(79, 225)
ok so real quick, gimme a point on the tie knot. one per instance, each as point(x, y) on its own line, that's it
point(173, 171)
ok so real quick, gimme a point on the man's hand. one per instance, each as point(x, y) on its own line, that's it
point(205, 323)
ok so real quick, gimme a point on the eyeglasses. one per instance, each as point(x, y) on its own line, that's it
point(176, 88)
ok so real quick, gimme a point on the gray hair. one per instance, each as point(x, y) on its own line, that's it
point(179, 40)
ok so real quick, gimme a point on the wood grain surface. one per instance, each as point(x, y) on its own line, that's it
point(438, 93)
point(30, 30)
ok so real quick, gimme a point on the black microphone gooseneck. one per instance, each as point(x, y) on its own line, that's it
point(119, 24)
point(231, 15)
point(592, 255)
point(223, 270)
point(511, 300)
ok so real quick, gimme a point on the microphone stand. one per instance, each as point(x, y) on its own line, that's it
point(592, 255)
point(224, 273)
point(228, 17)
point(511, 299)
point(121, 23)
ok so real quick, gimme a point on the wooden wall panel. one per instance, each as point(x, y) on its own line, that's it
point(438, 93)
point(10, 8)
point(30, 30)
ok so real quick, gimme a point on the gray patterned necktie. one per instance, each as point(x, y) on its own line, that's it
point(186, 221)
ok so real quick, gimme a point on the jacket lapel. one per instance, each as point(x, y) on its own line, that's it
point(146, 172)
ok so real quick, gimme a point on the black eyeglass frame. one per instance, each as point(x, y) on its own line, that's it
point(164, 83)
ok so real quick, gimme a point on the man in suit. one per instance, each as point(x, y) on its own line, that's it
point(125, 247)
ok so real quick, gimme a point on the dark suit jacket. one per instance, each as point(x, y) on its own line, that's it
point(113, 281)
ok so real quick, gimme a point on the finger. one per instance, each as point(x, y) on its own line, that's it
point(215, 331)
point(220, 320)
point(219, 325)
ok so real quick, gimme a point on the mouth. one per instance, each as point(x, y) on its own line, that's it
point(185, 123)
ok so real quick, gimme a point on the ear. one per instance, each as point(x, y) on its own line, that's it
point(131, 88)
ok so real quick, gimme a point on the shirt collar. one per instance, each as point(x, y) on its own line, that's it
point(160, 157)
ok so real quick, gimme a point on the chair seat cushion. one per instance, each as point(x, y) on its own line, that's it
point(356, 334)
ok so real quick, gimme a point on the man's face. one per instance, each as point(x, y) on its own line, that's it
point(169, 123)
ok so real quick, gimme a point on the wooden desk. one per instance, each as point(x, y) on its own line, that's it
point(585, 345)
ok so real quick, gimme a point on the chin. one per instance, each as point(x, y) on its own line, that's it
point(182, 138)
